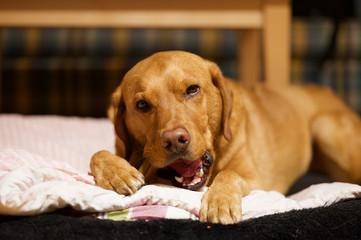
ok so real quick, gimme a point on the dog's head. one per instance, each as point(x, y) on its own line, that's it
point(170, 109)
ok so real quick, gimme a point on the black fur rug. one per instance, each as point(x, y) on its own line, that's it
point(338, 221)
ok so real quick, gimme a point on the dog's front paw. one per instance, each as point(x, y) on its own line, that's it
point(115, 173)
point(221, 207)
point(222, 203)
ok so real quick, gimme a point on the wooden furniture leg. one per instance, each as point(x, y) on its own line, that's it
point(249, 56)
point(277, 17)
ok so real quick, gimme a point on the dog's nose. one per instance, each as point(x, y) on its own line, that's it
point(175, 140)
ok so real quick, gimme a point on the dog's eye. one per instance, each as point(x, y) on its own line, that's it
point(143, 106)
point(192, 90)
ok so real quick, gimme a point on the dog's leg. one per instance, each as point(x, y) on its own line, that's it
point(337, 137)
point(115, 173)
point(222, 202)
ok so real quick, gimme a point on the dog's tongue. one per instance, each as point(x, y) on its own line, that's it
point(186, 168)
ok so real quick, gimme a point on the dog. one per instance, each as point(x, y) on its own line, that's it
point(175, 115)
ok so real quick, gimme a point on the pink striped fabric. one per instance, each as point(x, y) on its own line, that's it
point(20, 160)
point(66, 139)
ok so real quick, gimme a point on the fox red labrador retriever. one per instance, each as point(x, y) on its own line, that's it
point(177, 116)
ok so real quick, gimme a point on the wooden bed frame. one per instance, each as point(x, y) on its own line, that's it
point(268, 20)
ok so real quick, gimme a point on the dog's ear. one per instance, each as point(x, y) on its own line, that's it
point(227, 98)
point(116, 113)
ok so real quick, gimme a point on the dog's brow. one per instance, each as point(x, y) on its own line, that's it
point(138, 96)
point(174, 71)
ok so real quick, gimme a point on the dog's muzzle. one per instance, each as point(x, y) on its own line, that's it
point(187, 173)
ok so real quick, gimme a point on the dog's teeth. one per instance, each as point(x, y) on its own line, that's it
point(200, 173)
point(195, 181)
point(179, 179)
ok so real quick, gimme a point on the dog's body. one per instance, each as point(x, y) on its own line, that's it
point(175, 111)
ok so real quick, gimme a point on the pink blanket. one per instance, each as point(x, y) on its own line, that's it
point(44, 164)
